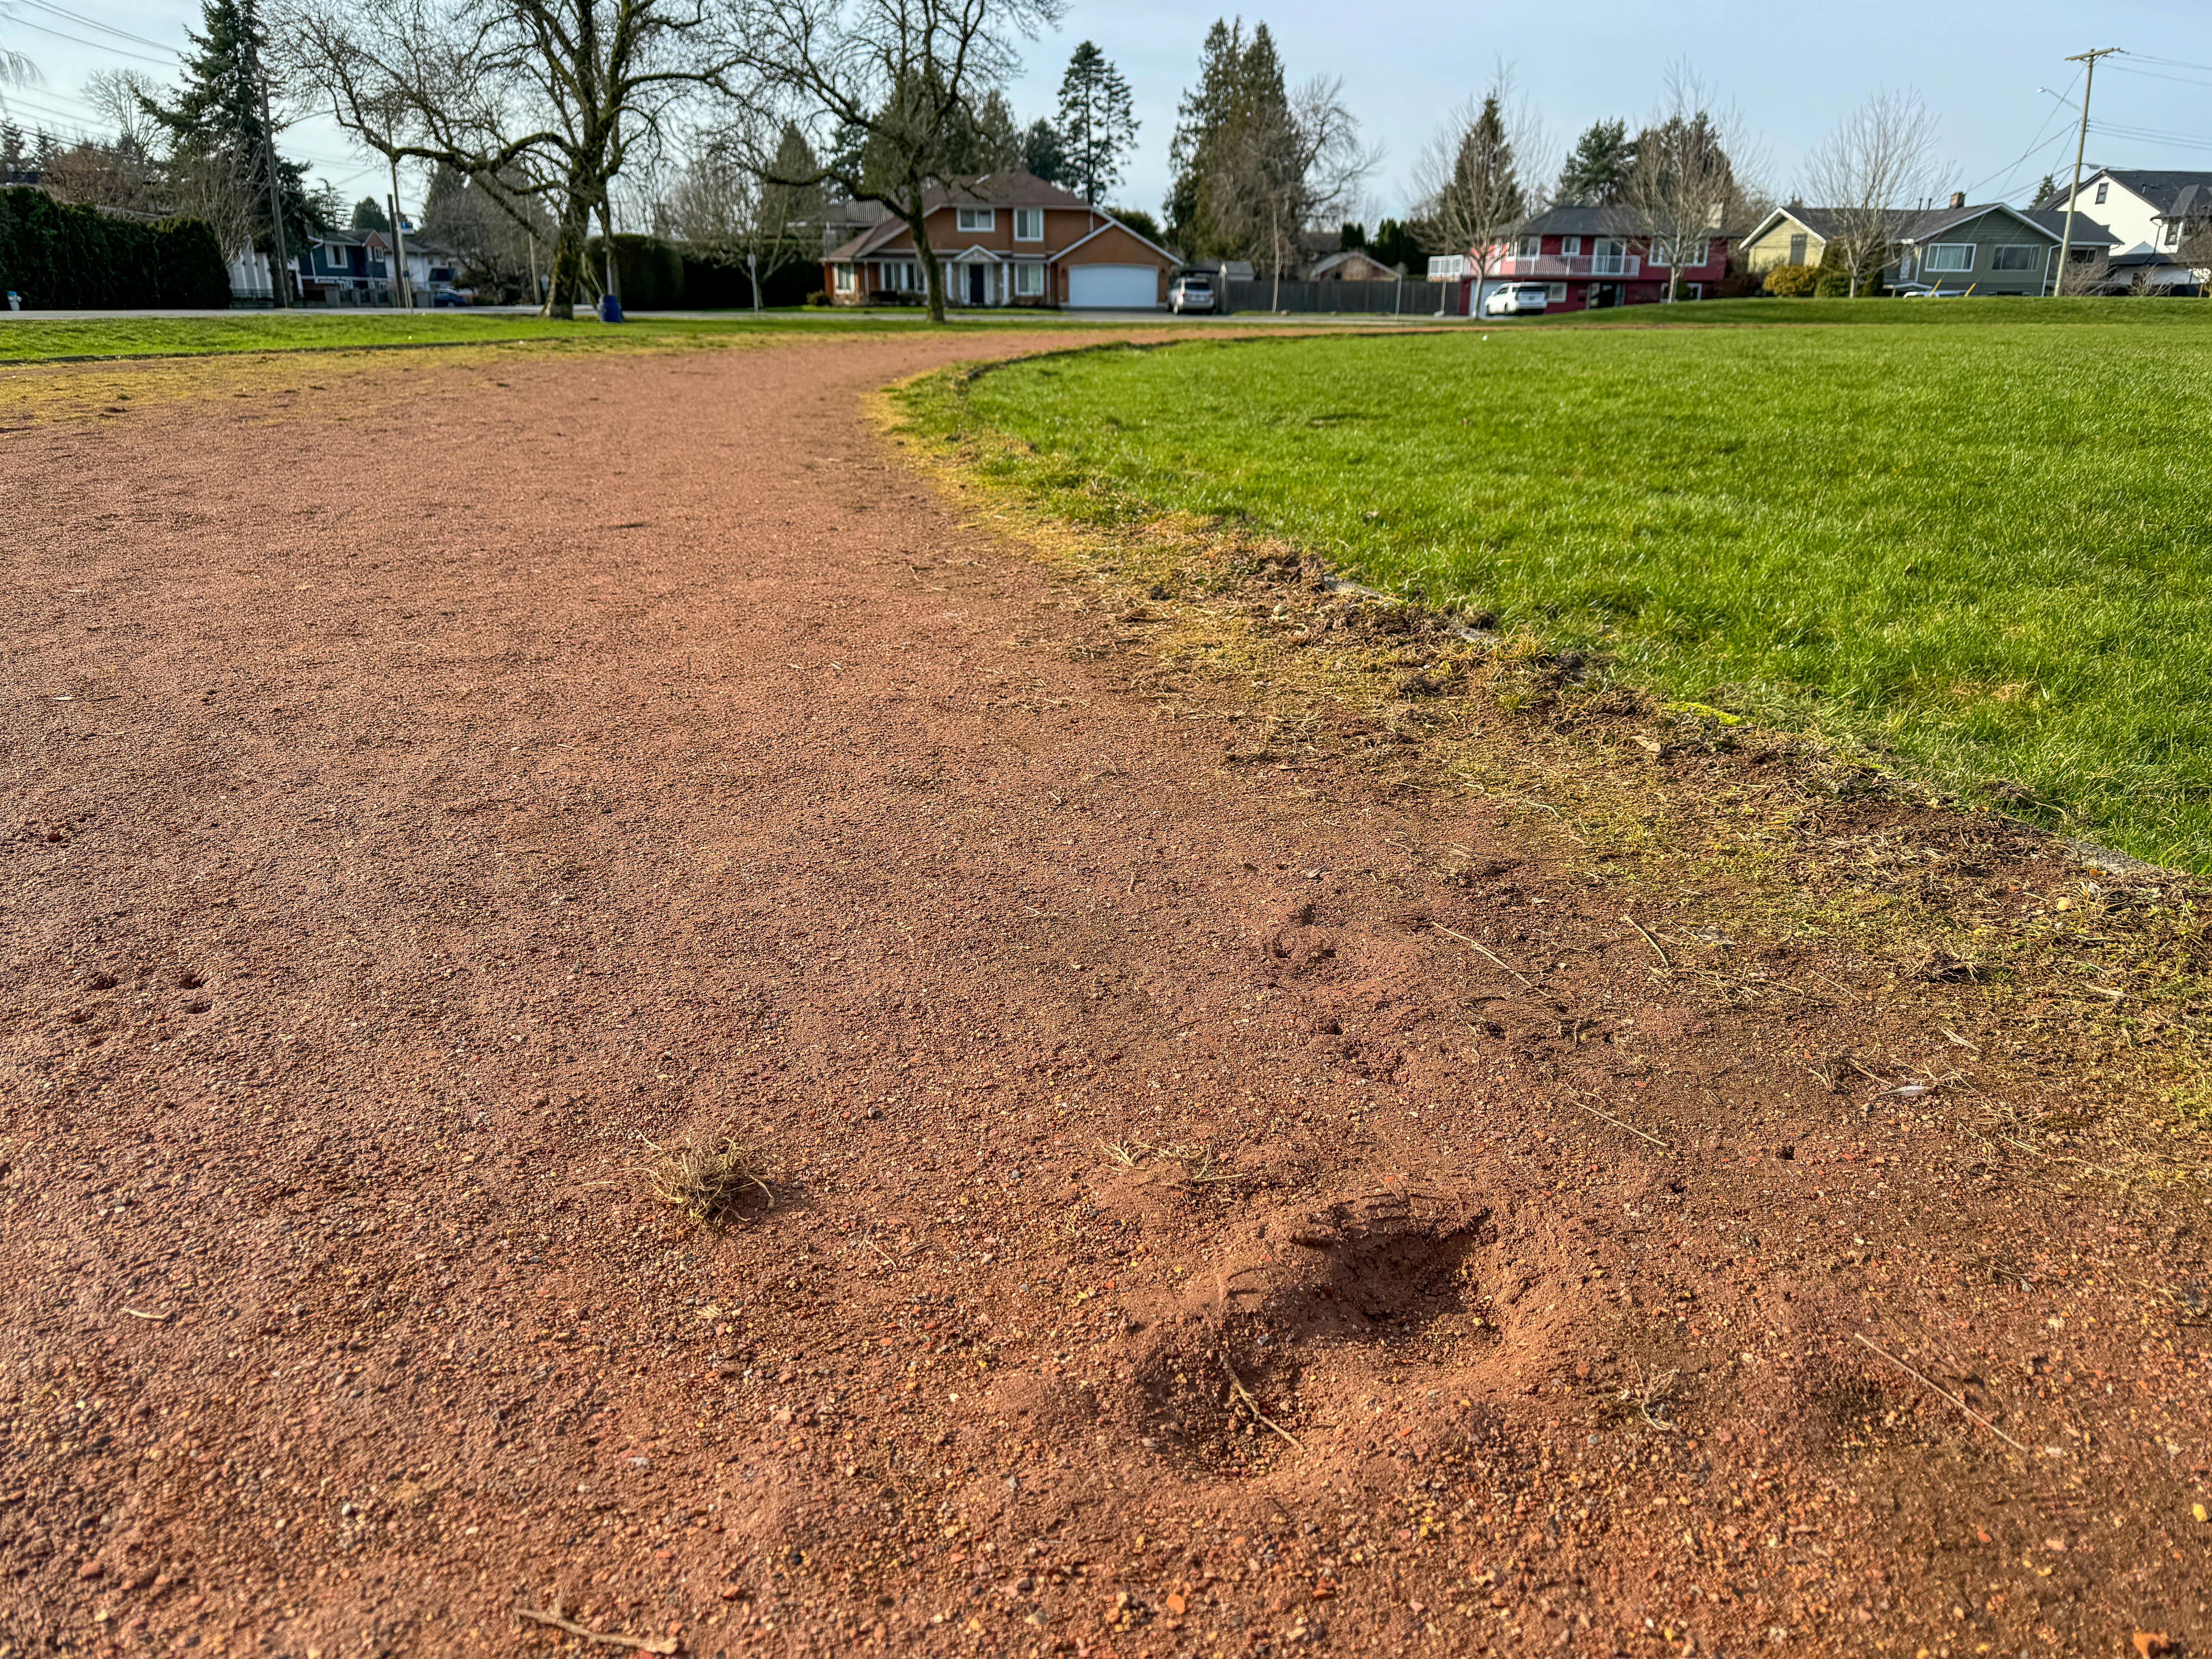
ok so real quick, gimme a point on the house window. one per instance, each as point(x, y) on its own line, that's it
point(1951, 256)
point(1028, 224)
point(2102, 192)
point(1528, 247)
point(844, 279)
point(979, 218)
point(1555, 293)
point(2173, 233)
point(1797, 247)
point(1571, 245)
point(2018, 256)
point(1029, 279)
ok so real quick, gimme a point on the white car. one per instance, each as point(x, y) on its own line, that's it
point(1191, 293)
point(1517, 299)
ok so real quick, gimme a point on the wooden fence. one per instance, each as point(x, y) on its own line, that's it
point(1406, 299)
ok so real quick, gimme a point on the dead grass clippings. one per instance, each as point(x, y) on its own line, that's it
point(717, 1183)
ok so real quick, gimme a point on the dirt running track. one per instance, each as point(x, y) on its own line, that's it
point(433, 785)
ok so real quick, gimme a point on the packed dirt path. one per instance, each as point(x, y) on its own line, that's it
point(1197, 1227)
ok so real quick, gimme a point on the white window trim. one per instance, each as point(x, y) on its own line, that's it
point(1570, 246)
point(1555, 293)
point(1528, 247)
point(1933, 263)
point(976, 218)
point(846, 283)
point(2040, 254)
point(1026, 273)
point(1032, 216)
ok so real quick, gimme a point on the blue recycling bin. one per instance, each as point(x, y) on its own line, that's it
point(610, 308)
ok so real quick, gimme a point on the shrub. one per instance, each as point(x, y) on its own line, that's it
point(1790, 281)
point(59, 256)
point(188, 265)
point(819, 297)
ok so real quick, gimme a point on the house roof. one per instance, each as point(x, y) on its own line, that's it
point(1345, 257)
point(1010, 189)
point(2170, 191)
point(1573, 219)
point(1928, 223)
point(1925, 226)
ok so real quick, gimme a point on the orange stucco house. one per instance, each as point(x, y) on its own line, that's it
point(1005, 239)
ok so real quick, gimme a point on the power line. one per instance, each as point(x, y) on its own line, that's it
point(97, 45)
point(94, 23)
point(2153, 75)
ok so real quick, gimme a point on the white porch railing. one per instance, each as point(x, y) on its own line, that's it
point(1553, 266)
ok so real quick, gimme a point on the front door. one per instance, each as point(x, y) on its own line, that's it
point(976, 274)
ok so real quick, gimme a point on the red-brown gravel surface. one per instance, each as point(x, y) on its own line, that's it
point(434, 784)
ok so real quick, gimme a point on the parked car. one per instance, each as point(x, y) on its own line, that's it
point(447, 297)
point(1192, 293)
point(1517, 299)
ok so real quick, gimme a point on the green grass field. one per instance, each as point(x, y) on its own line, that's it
point(35, 339)
point(1984, 549)
point(1943, 313)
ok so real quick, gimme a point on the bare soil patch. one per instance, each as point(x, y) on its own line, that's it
point(1238, 1189)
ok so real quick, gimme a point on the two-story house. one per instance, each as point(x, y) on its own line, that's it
point(2151, 215)
point(346, 268)
point(1591, 257)
point(1005, 238)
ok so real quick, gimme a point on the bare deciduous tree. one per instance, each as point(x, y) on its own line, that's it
point(555, 95)
point(1871, 173)
point(1483, 173)
point(1688, 182)
point(898, 84)
point(726, 208)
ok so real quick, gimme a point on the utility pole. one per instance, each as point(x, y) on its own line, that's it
point(280, 277)
point(2081, 144)
point(403, 288)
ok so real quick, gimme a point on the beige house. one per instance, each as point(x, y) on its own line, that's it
point(1005, 238)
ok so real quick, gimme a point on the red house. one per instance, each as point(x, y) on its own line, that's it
point(1594, 257)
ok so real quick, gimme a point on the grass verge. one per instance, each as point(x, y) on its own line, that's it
point(1776, 841)
point(1979, 551)
point(28, 340)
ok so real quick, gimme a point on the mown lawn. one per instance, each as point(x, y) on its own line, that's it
point(34, 339)
point(1984, 548)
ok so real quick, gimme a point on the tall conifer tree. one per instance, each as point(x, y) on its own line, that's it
point(1097, 127)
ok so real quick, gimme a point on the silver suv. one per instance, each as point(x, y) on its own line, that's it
point(1191, 293)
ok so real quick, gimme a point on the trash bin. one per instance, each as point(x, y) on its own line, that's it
point(610, 308)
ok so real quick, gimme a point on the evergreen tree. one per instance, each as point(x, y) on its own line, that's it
point(1142, 222)
point(995, 141)
point(1235, 149)
point(215, 124)
point(368, 214)
point(1043, 154)
point(1351, 237)
point(2044, 191)
point(1595, 172)
point(1098, 127)
point(1396, 245)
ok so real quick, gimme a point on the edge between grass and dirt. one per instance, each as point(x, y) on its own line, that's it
point(2103, 964)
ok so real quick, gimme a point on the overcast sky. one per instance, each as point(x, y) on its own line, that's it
point(1792, 69)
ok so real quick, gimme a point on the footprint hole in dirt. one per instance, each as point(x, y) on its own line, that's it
point(190, 979)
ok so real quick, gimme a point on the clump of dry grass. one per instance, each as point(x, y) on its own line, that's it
point(713, 1181)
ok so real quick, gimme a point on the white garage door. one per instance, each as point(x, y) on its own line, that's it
point(1120, 288)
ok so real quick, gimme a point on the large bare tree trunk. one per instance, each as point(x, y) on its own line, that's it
point(933, 274)
point(567, 278)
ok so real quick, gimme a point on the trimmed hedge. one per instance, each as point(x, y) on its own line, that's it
point(655, 274)
point(61, 256)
